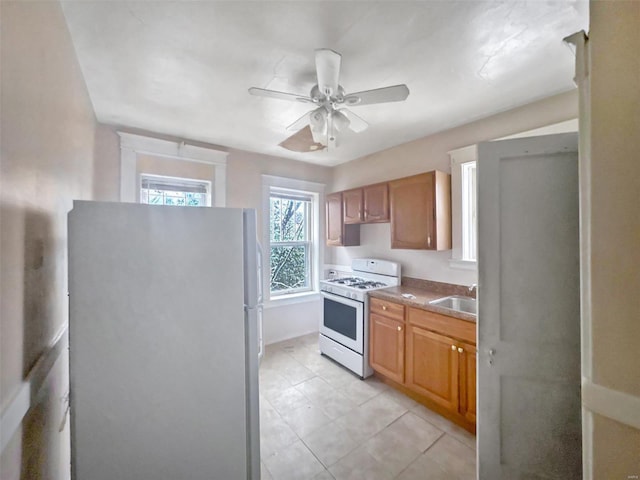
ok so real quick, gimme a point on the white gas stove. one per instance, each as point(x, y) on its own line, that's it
point(344, 333)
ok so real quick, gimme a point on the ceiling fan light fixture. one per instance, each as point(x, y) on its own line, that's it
point(318, 120)
point(340, 121)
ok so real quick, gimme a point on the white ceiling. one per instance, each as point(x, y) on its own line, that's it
point(183, 68)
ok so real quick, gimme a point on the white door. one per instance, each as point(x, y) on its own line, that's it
point(529, 424)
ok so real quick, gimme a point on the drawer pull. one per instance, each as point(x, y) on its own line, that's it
point(453, 347)
point(384, 307)
point(460, 350)
point(399, 328)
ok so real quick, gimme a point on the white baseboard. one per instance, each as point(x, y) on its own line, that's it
point(619, 406)
point(29, 393)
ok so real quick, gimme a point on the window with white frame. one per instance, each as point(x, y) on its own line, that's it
point(161, 190)
point(469, 212)
point(290, 240)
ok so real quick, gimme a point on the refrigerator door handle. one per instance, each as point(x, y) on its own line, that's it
point(260, 279)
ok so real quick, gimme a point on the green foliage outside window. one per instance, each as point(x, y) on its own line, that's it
point(289, 239)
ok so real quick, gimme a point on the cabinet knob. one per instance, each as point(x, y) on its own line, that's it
point(460, 350)
point(399, 328)
point(384, 307)
point(453, 347)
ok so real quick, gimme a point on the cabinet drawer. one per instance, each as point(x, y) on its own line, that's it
point(387, 309)
point(450, 326)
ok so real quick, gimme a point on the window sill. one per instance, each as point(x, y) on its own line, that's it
point(292, 299)
point(463, 264)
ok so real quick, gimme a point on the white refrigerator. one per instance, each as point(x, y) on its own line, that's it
point(164, 342)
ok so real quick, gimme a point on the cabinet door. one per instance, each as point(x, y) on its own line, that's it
point(468, 381)
point(386, 346)
point(352, 206)
point(339, 234)
point(376, 203)
point(432, 366)
point(334, 219)
point(412, 212)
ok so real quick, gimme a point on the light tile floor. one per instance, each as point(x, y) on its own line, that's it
point(319, 421)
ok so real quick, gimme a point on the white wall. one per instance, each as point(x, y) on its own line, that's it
point(47, 151)
point(430, 153)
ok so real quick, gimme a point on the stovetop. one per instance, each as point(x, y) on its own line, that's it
point(357, 283)
point(368, 274)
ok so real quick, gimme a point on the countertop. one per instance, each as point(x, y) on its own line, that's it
point(423, 297)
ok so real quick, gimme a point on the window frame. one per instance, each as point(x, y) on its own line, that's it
point(316, 190)
point(176, 181)
point(132, 145)
point(469, 211)
point(459, 256)
point(291, 195)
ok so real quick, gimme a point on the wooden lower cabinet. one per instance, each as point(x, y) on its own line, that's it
point(468, 385)
point(426, 355)
point(387, 346)
point(432, 366)
point(386, 338)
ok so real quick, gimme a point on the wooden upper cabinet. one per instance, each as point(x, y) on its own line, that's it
point(368, 204)
point(353, 206)
point(376, 203)
point(339, 234)
point(420, 211)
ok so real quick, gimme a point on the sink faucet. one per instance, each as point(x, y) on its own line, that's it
point(473, 286)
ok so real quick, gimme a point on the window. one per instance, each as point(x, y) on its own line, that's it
point(159, 190)
point(290, 233)
point(469, 218)
point(463, 208)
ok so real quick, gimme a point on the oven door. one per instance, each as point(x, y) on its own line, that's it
point(343, 321)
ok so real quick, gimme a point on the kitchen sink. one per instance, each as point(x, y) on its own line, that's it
point(457, 303)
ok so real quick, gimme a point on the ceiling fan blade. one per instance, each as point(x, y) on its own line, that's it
point(356, 123)
point(328, 70)
point(397, 93)
point(261, 92)
point(300, 123)
point(302, 141)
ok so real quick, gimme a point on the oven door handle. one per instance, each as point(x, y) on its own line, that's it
point(340, 299)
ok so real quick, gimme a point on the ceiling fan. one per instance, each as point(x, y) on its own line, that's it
point(329, 117)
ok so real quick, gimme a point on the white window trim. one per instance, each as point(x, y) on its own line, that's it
point(310, 220)
point(169, 180)
point(469, 238)
point(470, 154)
point(317, 234)
point(132, 145)
point(459, 157)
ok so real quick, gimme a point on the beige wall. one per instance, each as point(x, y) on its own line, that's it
point(244, 177)
point(174, 168)
point(47, 133)
point(106, 173)
point(427, 154)
point(614, 41)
